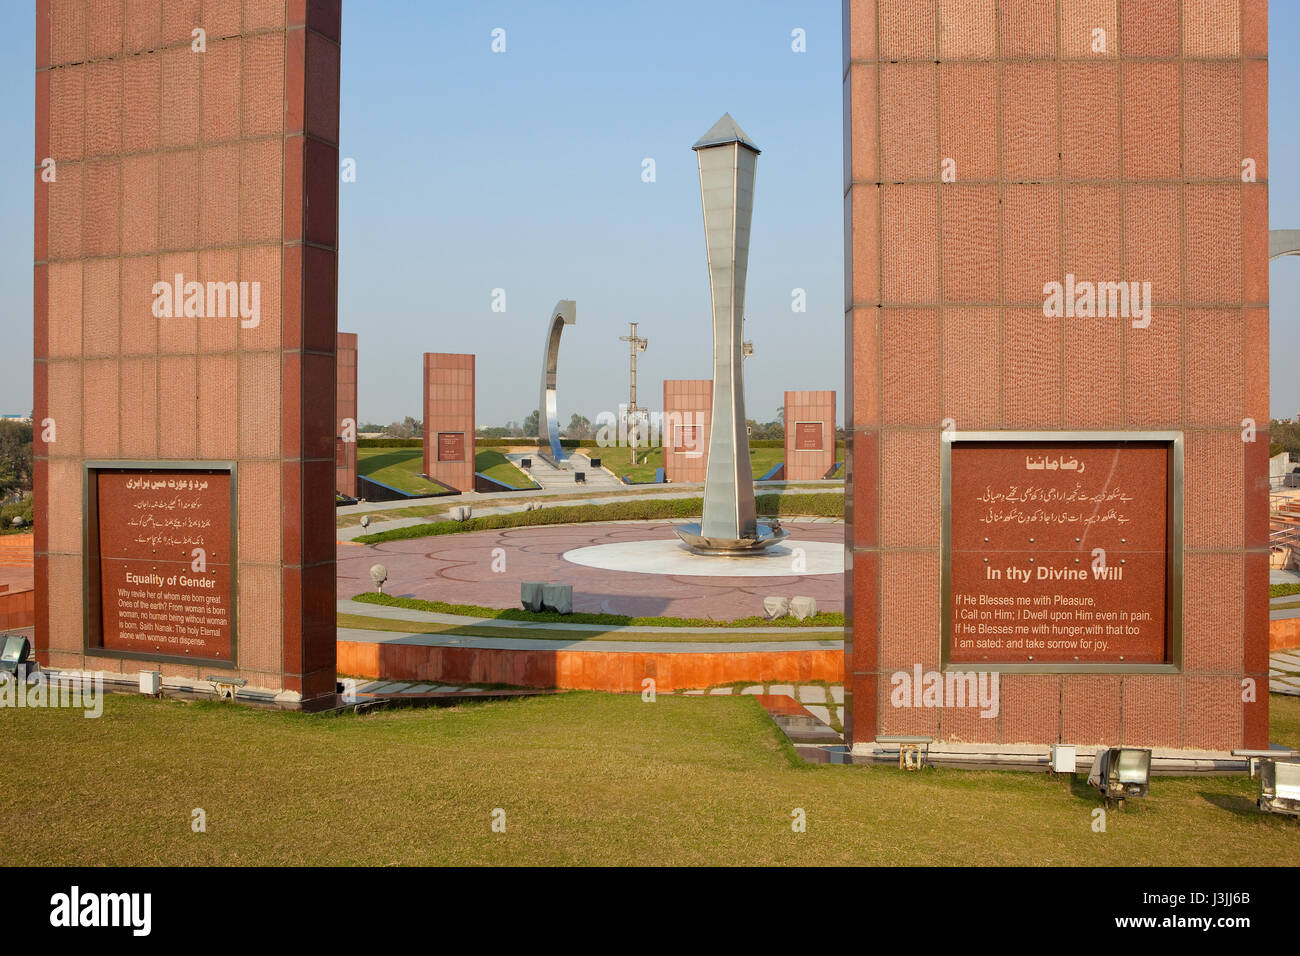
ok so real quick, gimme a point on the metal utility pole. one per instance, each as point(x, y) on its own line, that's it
point(635, 344)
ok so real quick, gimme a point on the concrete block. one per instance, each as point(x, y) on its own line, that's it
point(803, 607)
point(530, 595)
point(558, 598)
point(775, 607)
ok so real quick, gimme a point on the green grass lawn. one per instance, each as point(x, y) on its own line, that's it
point(583, 778)
point(625, 509)
point(761, 461)
point(497, 466)
point(401, 467)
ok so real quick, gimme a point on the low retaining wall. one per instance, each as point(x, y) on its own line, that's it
point(17, 609)
point(573, 669)
point(1284, 634)
point(16, 550)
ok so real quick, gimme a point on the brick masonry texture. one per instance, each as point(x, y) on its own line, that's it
point(809, 407)
point(345, 452)
point(221, 165)
point(1119, 160)
point(449, 411)
point(688, 405)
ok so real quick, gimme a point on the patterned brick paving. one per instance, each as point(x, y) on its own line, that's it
point(459, 569)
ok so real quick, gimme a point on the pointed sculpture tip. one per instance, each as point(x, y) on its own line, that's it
point(724, 132)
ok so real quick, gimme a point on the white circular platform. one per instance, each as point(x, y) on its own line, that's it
point(790, 559)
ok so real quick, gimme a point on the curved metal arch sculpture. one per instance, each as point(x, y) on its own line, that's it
point(548, 426)
point(1283, 242)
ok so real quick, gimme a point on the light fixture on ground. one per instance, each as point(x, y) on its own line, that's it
point(729, 526)
point(1121, 772)
point(1279, 785)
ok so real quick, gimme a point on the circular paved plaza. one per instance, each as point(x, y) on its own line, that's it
point(466, 569)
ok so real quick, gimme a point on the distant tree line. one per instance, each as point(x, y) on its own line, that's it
point(1284, 436)
point(16, 467)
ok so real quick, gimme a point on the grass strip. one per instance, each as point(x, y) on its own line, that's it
point(813, 504)
point(365, 623)
point(823, 619)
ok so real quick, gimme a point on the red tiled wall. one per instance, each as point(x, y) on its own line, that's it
point(687, 401)
point(1123, 164)
point(17, 608)
point(804, 406)
point(222, 165)
point(17, 550)
point(449, 407)
point(345, 463)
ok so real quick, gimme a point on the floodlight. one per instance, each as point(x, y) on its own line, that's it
point(15, 653)
point(1121, 772)
point(1279, 785)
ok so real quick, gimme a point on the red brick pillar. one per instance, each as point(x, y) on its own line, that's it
point(990, 149)
point(199, 140)
point(449, 419)
point(684, 432)
point(345, 461)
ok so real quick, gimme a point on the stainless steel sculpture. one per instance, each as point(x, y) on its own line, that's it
point(728, 160)
point(548, 426)
point(1283, 242)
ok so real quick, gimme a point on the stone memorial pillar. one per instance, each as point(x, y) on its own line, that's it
point(1057, 329)
point(185, 318)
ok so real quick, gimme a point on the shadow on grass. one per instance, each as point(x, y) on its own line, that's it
point(1234, 803)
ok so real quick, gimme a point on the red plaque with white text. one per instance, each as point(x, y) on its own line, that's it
point(451, 446)
point(1058, 553)
point(808, 436)
point(164, 566)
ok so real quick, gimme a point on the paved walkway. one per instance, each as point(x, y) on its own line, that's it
point(564, 478)
point(486, 568)
point(1284, 673)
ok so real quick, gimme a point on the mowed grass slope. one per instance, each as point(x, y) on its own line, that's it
point(584, 779)
point(401, 467)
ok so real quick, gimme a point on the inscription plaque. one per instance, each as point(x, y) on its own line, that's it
point(808, 436)
point(1059, 553)
point(160, 558)
point(451, 446)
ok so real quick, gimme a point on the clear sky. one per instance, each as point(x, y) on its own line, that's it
point(522, 171)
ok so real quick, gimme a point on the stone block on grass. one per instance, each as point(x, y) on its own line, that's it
point(530, 595)
point(803, 607)
point(558, 598)
point(776, 607)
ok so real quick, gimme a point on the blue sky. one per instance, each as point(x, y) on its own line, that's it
point(522, 171)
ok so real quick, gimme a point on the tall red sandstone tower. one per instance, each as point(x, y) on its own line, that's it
point(993, 148)
point(185, 325)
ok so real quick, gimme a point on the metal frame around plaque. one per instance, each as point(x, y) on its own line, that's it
point(92, 611)
point(1173, 663)
point(821, 436)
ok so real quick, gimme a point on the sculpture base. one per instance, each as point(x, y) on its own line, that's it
point(730, 547)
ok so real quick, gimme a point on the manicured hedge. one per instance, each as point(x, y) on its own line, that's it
point(824, 619)
point(479, 441)
point(828, 505)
